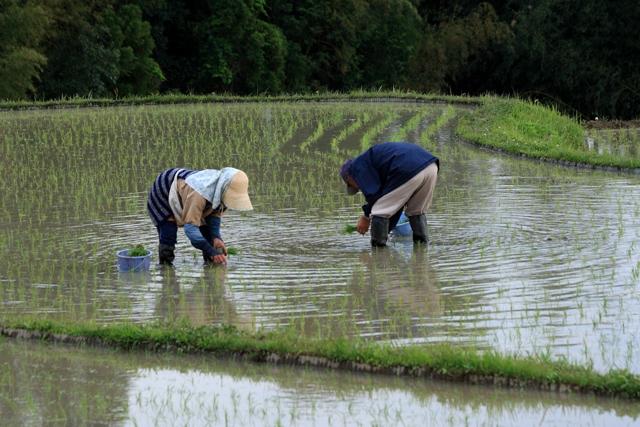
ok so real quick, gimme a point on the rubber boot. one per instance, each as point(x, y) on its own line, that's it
point(165, 252)
point(379, 231)
point(419, 227)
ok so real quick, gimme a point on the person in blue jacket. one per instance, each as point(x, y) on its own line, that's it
point(392, 176)
point(196, 200)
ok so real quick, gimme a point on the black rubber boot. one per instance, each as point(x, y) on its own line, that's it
point(165, 252)
point(419, 227)
point(379, 231)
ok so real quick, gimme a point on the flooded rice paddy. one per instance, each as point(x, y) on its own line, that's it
point(524, 257)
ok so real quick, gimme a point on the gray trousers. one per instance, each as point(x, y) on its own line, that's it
point(415, 193)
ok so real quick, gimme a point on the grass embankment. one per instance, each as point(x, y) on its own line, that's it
point(530, 129)
point(432, 361)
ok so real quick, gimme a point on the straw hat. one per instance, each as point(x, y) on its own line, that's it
point(237, 197)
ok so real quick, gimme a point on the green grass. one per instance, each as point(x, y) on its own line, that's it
point(533, 130)
point(442, 361)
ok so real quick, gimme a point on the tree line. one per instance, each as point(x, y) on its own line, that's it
point(581, 55)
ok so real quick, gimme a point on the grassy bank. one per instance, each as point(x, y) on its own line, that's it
point(530, 129)
point(432, 361)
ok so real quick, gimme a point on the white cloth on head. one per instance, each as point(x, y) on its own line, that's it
point(212, 184)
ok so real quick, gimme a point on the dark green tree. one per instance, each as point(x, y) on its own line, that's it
point(582, 56)
point(22, 27)
point(80, 58)
point(238, 51)
point(176, 46)
point(458, 51)
point(323, 37)
point(387, 37)
point(138, 73)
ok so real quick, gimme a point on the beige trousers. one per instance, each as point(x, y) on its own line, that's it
point(415, 193)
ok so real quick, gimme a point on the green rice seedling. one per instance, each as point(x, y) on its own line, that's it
point(348, 229)
point(139, 250)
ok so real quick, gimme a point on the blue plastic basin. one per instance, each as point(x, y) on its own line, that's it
point(403, 229)
point(133, 263)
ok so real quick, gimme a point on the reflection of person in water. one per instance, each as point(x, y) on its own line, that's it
point(392, 175)
point(400, 292)
point(208, 302)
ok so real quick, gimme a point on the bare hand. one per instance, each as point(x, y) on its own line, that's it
point(219, 259)
point(220, 246)
point(363, 225)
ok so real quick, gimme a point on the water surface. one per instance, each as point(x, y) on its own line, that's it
point(524, 256)
point(58, 385)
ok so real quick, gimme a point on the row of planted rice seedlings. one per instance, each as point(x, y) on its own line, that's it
point(138, 158)
point(369, 136)
point(343, 120)
point(356, 124)
point(412, 125)
point(447, 115)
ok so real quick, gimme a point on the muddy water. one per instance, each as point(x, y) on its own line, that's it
point(524, 256)
point(47, 385)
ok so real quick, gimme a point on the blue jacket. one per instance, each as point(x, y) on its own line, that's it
point(385, 167)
